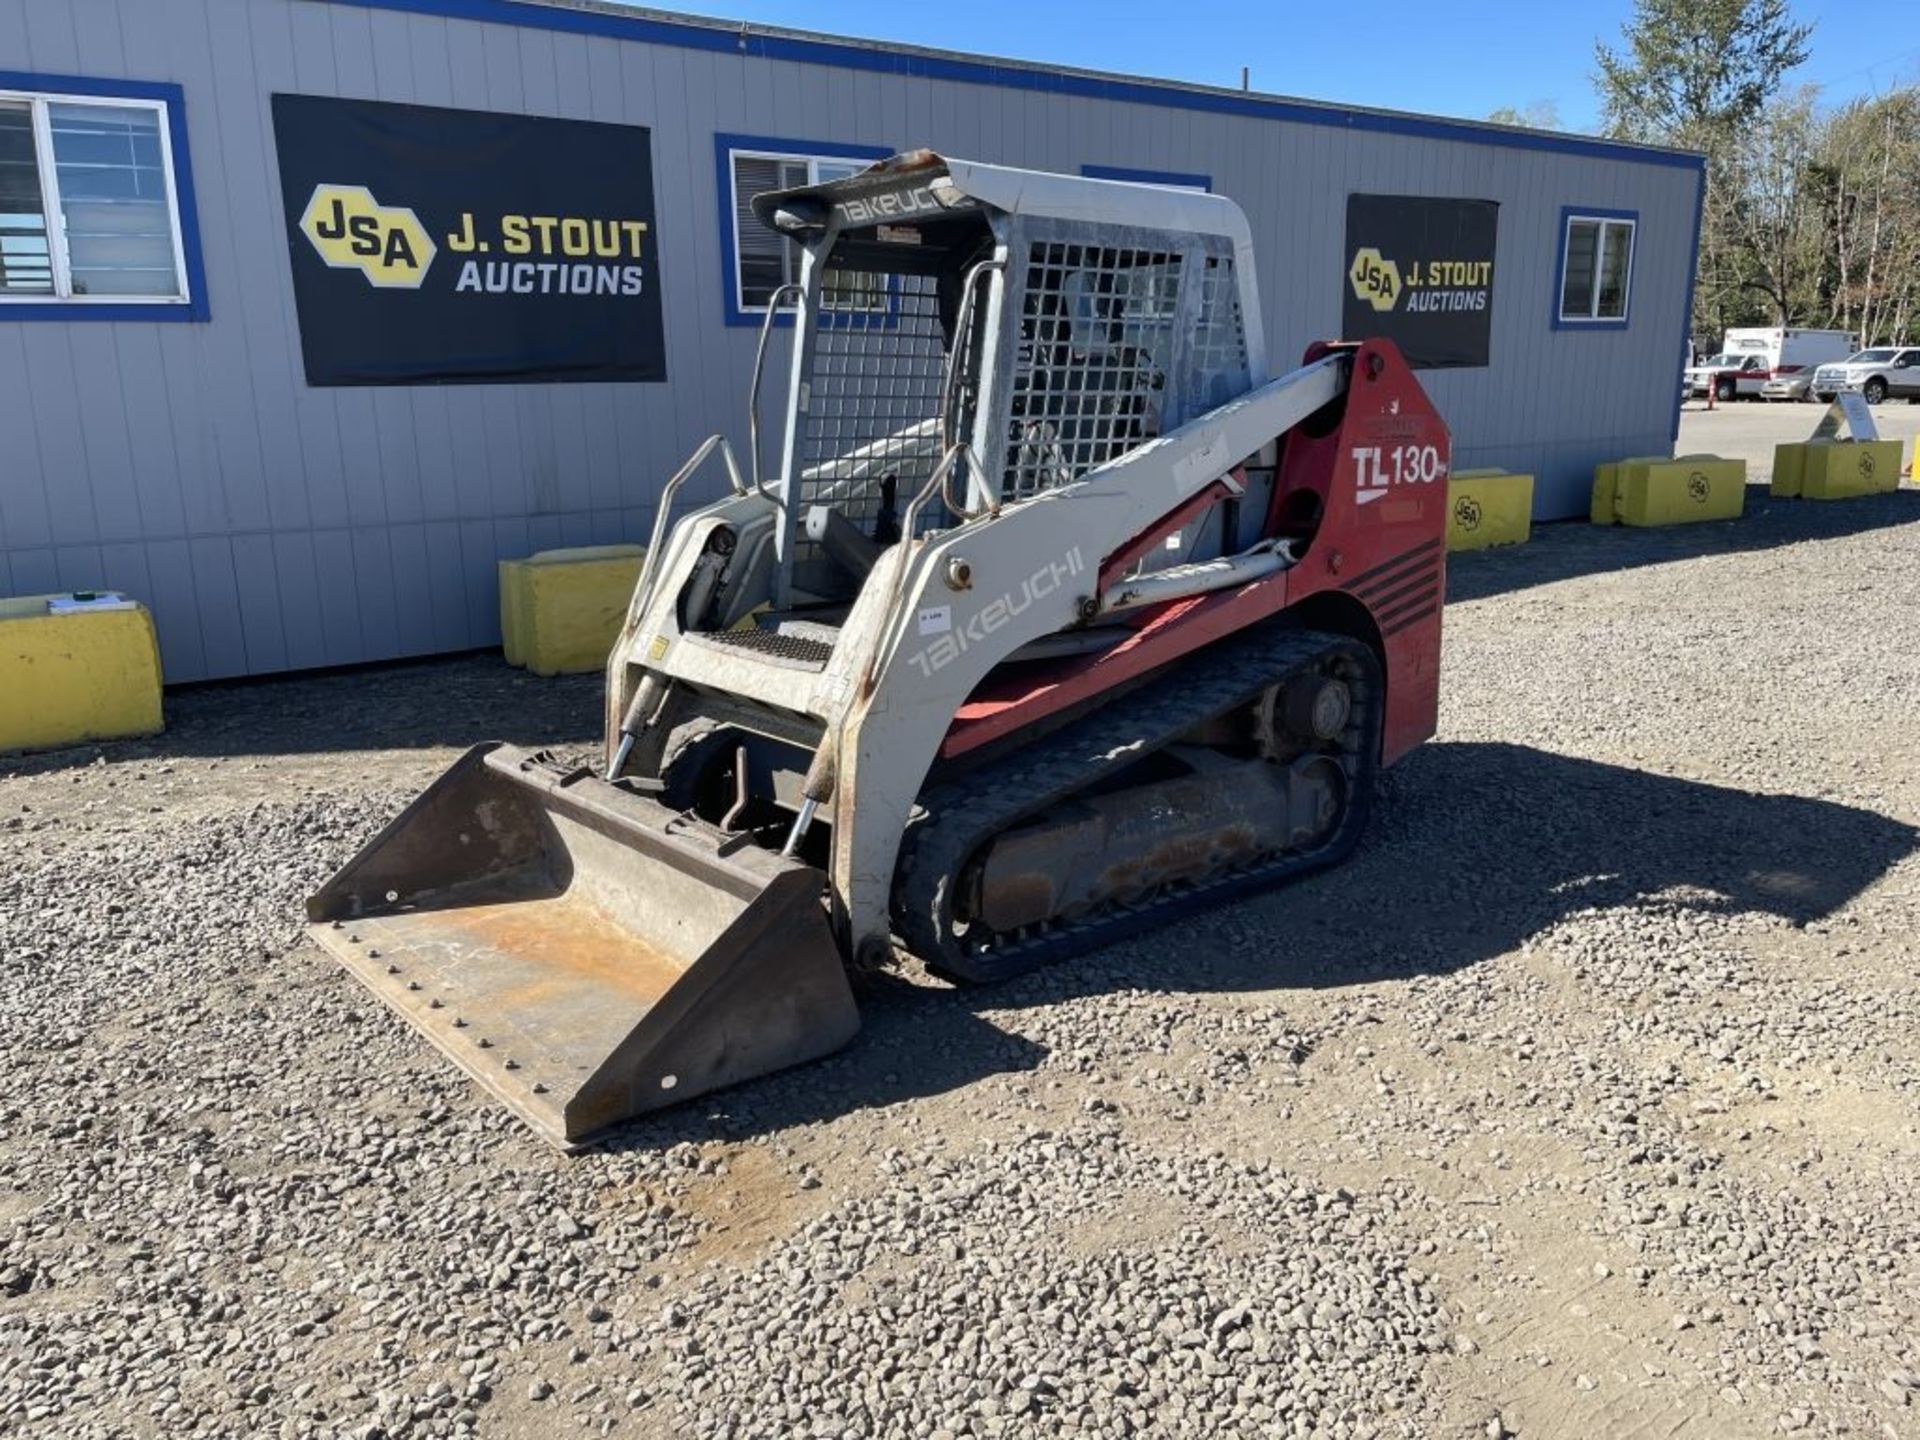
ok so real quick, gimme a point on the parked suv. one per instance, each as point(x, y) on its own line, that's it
point(1885, 370)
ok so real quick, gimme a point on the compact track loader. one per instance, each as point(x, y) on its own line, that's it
point(1057, 617)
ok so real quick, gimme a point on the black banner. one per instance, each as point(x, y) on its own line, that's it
point(1420, 273)
point(433, 246)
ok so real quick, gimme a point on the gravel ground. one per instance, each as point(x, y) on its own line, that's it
point(1586, 1101)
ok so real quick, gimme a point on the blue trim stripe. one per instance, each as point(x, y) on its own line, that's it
point(1569, 213)
point(1686, 315)
point(1148, 177)
point(654, 30)
point(723, 147)
point(195, 308)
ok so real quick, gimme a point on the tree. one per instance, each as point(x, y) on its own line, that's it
point(1773, 223)
point(1867, 169)
point(1535, 115)
point(1692, 71)
point(1698, 73)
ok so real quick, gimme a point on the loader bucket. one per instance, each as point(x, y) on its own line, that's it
point(581, 950)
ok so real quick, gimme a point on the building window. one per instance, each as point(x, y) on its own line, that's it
point(90, 199)
point(1173, 179)
point(760, 260)
point(1596, 267)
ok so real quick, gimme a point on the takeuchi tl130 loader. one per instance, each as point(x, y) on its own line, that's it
point(1059, 617)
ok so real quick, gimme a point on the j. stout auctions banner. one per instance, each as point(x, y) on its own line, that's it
point(1420, 273)
point(433, 246)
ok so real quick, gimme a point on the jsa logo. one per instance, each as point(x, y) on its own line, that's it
point(1378, 469)
point(353, 231)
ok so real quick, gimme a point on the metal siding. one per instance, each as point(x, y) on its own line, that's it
point(260, 600)
point(398, 456)
point(34, 572)
point(354, 69)
point(431, 60)
point(480, 578)
point(184, 392)
point(265, 308)
point(13, 32)
point(23, 493)
point(96, 30)
point(447, 589)
point(51, 40)
point(171, 592)
point(372, 576)
point(109, 458)
point(80, 567)
point(150, 435)
point(360, 454)
point(340, 631)
point(302, 616)
point(214, 56)
point(659, 95)
point(314, 70)
point(217, 594)
point(392, 56)
point(413, 596)
point(127, 563)
point(277, 525)
point(433, 454)
point(53, 392)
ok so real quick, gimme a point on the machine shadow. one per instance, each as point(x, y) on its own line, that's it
point(1474, 848)
point(1478, 846)
point(1569, 549)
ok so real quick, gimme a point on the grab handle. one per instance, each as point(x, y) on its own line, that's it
point(753, 395)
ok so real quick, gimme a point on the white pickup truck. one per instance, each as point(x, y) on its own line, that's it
point(1884, 372)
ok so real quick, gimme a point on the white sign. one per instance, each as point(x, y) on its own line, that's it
point(1849, 408)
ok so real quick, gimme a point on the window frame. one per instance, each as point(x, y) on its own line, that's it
point(1179, 179)
point(1569, 214)
point(764, 147)
point(169, 101)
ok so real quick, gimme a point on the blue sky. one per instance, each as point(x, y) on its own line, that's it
point(1446, 59)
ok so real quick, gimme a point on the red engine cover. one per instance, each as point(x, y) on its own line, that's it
point(1372, 487)
point(1382, 538)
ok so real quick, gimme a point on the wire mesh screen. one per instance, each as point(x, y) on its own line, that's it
point(873, 408)
point(1217, 358)
point(1098, 331)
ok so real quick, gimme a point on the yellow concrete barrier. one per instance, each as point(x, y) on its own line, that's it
point(74, 669)
point(1679, 491)
point(1606, 485)
point(561, 609)
point(1487, 508)
point(1835, 469)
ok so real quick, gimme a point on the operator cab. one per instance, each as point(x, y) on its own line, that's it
point(1027, 328)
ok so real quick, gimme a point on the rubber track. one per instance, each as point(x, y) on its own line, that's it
point(954, 820)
